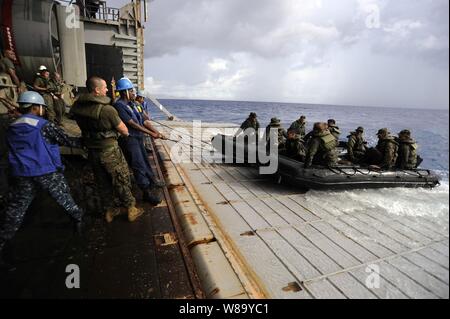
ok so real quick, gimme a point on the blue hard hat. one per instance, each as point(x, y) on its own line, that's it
point(30, 97)
point(124, 84)
point(140, 93)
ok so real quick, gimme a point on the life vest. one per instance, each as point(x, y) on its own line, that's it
point(328, 142)
point(30, 154)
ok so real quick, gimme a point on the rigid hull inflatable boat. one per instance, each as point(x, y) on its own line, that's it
point(319, 177)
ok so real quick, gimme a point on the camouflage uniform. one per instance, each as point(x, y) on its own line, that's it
point(282, 134)
point(407, 154)
point(295, 149)
point(356, 147)
point(98, 120)
point(335, 131)
point(58, 103)
point(250, 123)
point(321, 150)
point(388, 149)
point(7, 97)
point(299, 128)
point(25, 189)
point(48, 98)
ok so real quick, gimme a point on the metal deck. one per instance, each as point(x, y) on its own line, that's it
point(292, 245)
point(146, 259)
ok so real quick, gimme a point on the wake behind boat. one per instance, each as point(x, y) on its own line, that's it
point(320, 177)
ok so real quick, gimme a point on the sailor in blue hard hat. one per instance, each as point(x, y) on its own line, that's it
point(35, 163)
point(133, 146)
point(144, 105)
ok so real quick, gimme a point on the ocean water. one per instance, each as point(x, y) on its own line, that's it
point(429, 127)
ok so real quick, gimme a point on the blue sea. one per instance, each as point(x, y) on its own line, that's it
point(430, 127)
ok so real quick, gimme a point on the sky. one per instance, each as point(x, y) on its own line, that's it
point(390, 53)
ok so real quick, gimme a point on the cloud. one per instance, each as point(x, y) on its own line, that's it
point(301, 51)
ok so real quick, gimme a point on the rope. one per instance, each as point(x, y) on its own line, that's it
point(175, 130)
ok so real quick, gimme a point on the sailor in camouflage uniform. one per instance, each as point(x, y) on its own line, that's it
point(42, 85)
point(321, 149)
point(294, 147)
point(7, 107)
point(35, 163)
point(334, 129)
point(56, 86)
point(384, 155)
point(356, 146)
point(299, 127)
point(407, 151)
point(101, 127)
point(250, 123)
point(275, 124)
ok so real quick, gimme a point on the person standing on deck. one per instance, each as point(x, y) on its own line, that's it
point(142, 105)
point(56, 86)
point(133, 146)
point(7, 66)
point(101, 127)
point(35, 163)
point(42, 85)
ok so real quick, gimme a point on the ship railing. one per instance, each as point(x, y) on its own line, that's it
point(95, 10)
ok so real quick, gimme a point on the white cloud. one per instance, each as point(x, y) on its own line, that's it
point(301, 51)
point(218, 65)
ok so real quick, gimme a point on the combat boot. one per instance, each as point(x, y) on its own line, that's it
point(159, 184)
point(134, 213)
point(152, 197)
point(111, 213)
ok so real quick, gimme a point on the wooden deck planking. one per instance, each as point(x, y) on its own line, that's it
point(300, 238)
point(294, 261)
point(351, 287)
point(385, 228)
point(374, 233)
point(402, 227)
point(364, 240)
point(355, 249)
point(339, 255)
point(436, 256)
point(310, 251)
point(408, 286)
point(428, 281)
point(313, 209)
point(271, 216)
point(386, 290)
point(323, 289)
point(438, 271)
point(283, 211)
point(271, 271)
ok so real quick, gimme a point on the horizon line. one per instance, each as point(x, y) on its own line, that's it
point(318, 104)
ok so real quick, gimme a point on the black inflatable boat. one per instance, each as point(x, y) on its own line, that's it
point(319, 177)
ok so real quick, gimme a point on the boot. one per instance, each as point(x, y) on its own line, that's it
point(152, 197)
point(134, 213)
point(159, 184)
point(78, 224)
point(111, 213)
